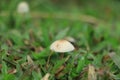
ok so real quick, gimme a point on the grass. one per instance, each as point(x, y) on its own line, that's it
point(25, 42)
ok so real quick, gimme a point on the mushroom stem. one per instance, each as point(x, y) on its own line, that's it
point(48, 60)
point(61, 55)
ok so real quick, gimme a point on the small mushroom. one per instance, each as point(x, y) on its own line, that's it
point(23, 7)
point(62, 46)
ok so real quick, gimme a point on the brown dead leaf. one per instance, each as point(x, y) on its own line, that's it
point(12, 71)
point(39, 49)
point(101, 71)
point(105, 72)
point(105, 58)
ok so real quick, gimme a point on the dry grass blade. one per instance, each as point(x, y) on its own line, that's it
point(61, 68)
point(59, 71)
point(0, 66)
point(30, 61)
point(115, 58)
point(91, 73)
point(46, 77)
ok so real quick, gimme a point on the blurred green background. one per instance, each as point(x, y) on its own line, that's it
point(93, 24)
point(99, 8)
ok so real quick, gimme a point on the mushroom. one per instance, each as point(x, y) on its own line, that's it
point(62, 46)
point(23, 7)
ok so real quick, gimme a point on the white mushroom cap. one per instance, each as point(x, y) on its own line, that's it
point(62, 46)
point(23, 7)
